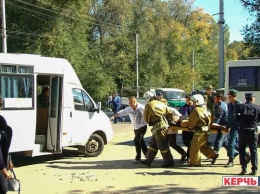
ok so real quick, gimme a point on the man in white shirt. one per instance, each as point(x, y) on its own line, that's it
point(135, 112)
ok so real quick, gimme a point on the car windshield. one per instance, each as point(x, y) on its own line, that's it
point(173, 95)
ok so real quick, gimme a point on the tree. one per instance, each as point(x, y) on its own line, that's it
point(98, 38)
point(236, 51)
point(251, 5)
point(252, 33)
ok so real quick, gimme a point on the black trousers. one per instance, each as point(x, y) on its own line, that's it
point(4, 148)
point(3, 184)
point(186, 140)
point(172, 142)
point(139, 142)
point(249, 138)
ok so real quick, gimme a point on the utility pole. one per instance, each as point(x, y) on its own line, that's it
point(193, 82)
point(136, 62)
point(3, 31)
point(221, 44)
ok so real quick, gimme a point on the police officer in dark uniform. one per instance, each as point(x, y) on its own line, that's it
point(233, 107)
point(248, 132)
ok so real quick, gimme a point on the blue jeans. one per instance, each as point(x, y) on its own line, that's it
point(220, 141)
point(232, 143)
point(117, 118)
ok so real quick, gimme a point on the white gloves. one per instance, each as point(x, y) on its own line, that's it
point(112, 118)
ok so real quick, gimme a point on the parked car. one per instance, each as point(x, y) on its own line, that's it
point(197, 92)
point(174, 96)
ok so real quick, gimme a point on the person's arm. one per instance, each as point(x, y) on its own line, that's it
point(193, 119)
point(6, 173)
point(175, 112)
point(218, 114)
point(146, 114)
point(120, 113)
point(185, 110)
point(10, 163)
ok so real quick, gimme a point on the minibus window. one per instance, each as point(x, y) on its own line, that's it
point(22, 69)
point(82, 101)
point(8, 69)
point(242, 78)
point(89, 106)
point(17, 91)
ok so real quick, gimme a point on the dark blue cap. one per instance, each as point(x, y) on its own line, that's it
point(232, 92)
point(249, 95)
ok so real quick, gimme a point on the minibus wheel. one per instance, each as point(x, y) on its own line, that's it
point(94, 147)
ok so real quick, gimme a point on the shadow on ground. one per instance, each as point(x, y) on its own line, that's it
point(64, 162)
point(178, 140)
point(173, 188)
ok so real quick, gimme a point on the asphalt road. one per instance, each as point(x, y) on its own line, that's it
point(114, 172)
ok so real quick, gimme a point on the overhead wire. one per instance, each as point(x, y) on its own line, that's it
point(85, 16)
point(72, 17)
point(30, 10)
point(9, 32)
point(20, 38)
point(46, 17)
point(33, 15)
point(29, 34)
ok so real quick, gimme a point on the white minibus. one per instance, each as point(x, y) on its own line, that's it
point(71, 117)
point(243, 76)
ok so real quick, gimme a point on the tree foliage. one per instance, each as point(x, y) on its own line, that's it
point(252, 32)
point(98, 37)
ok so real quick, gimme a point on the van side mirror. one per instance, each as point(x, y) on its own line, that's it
point(98, 108)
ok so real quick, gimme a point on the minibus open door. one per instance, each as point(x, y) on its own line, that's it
point(54, 122)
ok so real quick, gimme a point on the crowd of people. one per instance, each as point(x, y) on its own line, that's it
point(200, 112)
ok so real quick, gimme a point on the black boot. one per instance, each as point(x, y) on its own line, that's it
point(150, 155)
point(146, 162)
point(214, 158)
point(168, 164)
point(183, 157)
point(243, 171)
point(168, 160)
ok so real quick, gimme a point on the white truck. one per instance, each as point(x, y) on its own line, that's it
point(71, 119)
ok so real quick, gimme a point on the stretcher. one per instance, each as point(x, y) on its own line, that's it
point(213, 128)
